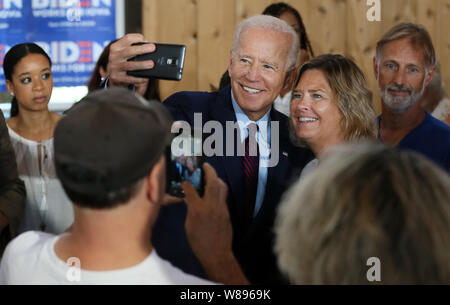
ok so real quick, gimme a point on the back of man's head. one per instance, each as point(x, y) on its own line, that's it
point(107, 144)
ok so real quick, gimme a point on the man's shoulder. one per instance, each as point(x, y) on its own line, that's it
point(438, 124)
point(432, 139)
point(22, 255)
point(27, 241)
point(184, 104)
point(193, 94)
point(436, 131)
point(191, 98)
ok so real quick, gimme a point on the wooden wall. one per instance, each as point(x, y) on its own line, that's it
point(337, 26)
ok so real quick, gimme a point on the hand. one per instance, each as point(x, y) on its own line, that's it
point(208, 224)
point(142, 88)
point(168, 199)
point(120, 52)
point(209, 230)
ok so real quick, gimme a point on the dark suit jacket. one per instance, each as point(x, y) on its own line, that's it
point(252, 246)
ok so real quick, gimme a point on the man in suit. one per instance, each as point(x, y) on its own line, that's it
point(262, 60)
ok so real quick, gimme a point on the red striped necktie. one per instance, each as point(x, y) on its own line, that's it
point(250, 164)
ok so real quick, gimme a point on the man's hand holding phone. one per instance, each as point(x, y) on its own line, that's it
point(132, 61)
point(118, 64)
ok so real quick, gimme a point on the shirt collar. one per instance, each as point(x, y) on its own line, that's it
point(244, 121)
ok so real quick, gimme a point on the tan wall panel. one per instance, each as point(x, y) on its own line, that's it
point(428, 16)
point(362, 36)
point(326, 26)
point(215, 36)
point(150, 24)
point(395, 11)
point(177, 20)
point(248, 8)
point(444, 26)
point(302, 6)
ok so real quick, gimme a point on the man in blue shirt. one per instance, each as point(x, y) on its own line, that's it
point(404, 65)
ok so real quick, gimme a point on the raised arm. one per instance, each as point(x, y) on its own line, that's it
point(209, 231)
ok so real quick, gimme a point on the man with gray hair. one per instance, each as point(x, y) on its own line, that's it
point(262, 61)
point(404, 65)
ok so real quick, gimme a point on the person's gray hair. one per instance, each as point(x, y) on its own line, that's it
point(366, 200)
point(269, 23)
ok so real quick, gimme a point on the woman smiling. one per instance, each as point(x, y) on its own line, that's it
point(331, 104)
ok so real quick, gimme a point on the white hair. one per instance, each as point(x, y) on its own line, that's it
point(269, 23)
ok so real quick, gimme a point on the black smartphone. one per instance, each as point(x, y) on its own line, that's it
point(168, 59)
point(184, 164)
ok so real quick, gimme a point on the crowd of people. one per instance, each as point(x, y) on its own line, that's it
point(346, 186)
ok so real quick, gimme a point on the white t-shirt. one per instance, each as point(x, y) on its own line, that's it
point(30, 259)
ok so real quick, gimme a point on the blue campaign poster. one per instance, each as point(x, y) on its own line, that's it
point(72, 32)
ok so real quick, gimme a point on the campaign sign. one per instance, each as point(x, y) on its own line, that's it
point(72, 32)
point(73, 59)
point(60, 15)
point(13, 13)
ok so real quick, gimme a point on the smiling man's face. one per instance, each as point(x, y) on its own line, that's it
point(258, 69)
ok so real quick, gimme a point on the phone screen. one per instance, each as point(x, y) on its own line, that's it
point(184, 164)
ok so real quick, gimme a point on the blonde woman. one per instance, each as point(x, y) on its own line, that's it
point(330, 104)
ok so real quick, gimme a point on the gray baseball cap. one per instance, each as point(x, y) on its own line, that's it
point(109, 141)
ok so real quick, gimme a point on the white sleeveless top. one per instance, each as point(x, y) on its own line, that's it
point(47, 208)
